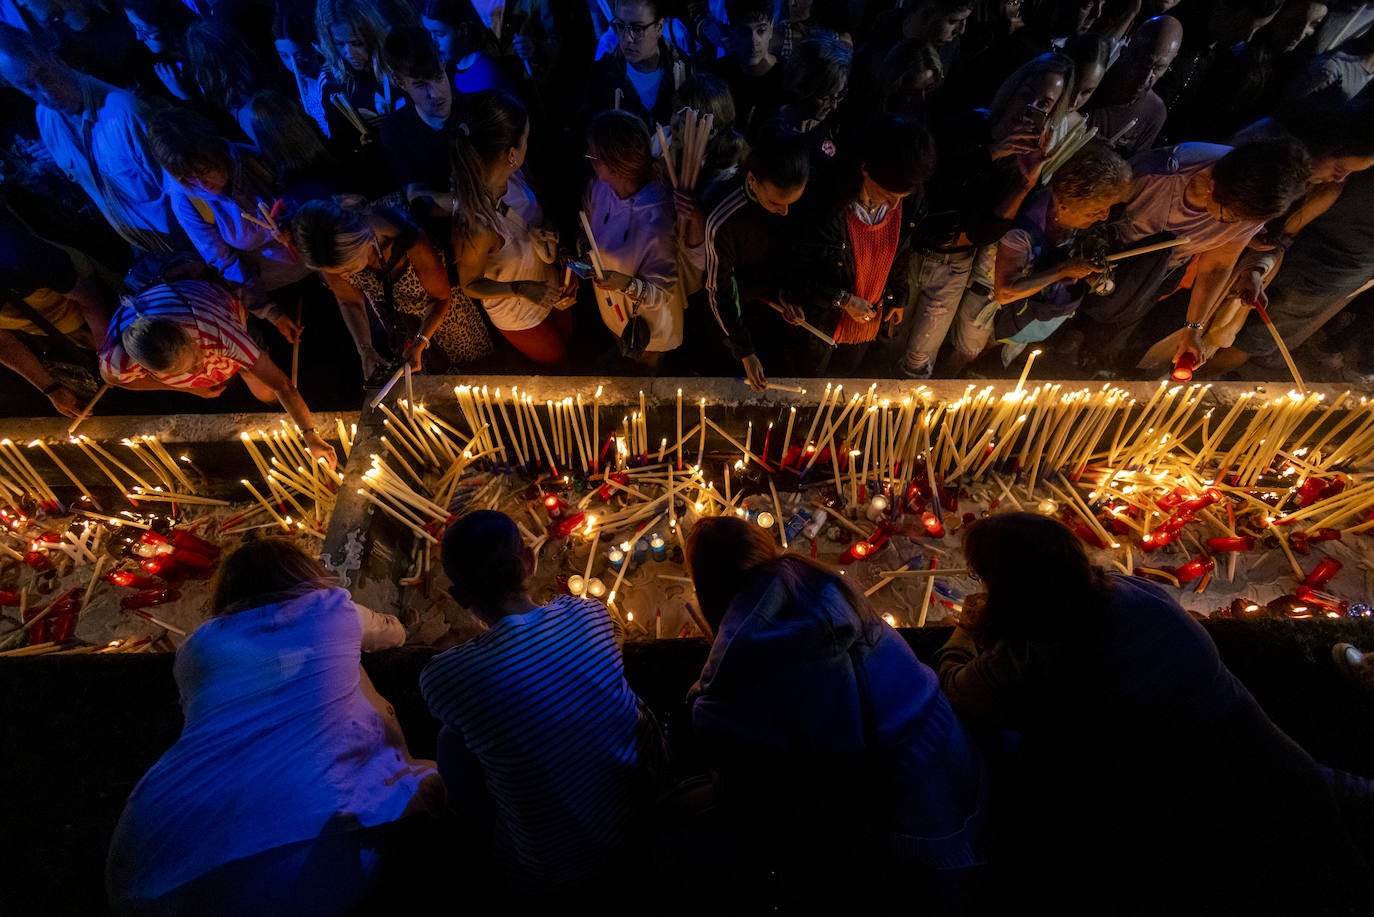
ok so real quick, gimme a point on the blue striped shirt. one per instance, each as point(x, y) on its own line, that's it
point(541, 701)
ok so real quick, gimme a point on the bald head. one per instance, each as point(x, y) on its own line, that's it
point(1151, 52)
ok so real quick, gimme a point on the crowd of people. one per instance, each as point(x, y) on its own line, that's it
point(632, 186)
point(1077, 745)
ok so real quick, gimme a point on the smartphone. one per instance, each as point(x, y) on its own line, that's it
point(581, 268)
point(1034, 117)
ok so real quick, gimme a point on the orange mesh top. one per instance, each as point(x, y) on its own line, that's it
point(874, 249)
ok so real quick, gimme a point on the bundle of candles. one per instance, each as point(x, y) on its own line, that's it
point(691, 148)
point(293, 479)
point(162, 548)
point(889, 481)
point(127, 564)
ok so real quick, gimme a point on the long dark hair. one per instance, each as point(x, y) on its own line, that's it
point(1040, 581)
point(264, 572)
point(725, 554)
point(494, 124)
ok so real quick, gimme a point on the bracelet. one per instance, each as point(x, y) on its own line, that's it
point(1196, 326)
point(423, 337)
point(52, 388)
point(307, 431)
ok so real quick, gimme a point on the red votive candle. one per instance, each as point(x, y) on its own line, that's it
point(1322, 573)
point(149, 598)
point(857, 551)
point(566, 526)
point(159, 565)
point(192, 542)
point(130, 579)
point(192, 559)
point(1331, 605)
point(1195, 568)
point(933, 526)
point(1238, 543)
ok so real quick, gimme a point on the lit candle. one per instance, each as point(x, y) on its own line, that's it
point(595, 588)
point(766, 520)
point(876, 507)
point(1047, 508)
point(679, 429)
point(701, 444)
point(616, 557)
point(553, 505)
point(659, 547)
point(856, 551)
point(577, 585)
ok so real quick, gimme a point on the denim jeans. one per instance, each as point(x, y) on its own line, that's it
point(972, 328)
point(939, 280)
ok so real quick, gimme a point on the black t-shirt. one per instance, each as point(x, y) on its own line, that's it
point(756, 97)
point(415, 152)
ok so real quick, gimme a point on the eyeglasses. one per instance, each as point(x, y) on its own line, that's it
point(635, 30)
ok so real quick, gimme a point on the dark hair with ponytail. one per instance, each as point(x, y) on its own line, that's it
point(495, 123)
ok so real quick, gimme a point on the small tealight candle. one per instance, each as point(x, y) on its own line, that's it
point(553, 505)
point(876, 507)
point(891, 619)
point(616, 557)
point(595, 588)
point(766, 520)
point(577, 585)
point(1047, 508)
point(659, 547)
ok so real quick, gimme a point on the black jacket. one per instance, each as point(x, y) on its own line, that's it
point(821, 257)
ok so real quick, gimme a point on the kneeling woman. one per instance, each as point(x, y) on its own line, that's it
point(275, 797)
point(829, 740)
point(506, 258)
point(632, 217)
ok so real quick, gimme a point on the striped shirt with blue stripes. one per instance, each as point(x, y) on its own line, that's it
point(541, 701)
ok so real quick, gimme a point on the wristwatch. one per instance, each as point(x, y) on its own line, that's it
point(1196, 326)
point(841, 299)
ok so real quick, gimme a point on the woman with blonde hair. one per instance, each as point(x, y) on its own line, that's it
point(506, 258)
point(386, 274)
point(280, 795)
point(356, 92)
point(828, 739)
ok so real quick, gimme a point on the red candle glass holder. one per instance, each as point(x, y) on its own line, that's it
point(130, 579)
point(149, 597)
point(933, 526)
point(1194, 568)
point(1322, 573)
point(859, 550)
point(1330, 605)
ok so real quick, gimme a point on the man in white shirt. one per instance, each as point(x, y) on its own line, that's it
point(96, 135)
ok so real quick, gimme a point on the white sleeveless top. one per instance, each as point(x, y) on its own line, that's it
point(518, 258)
